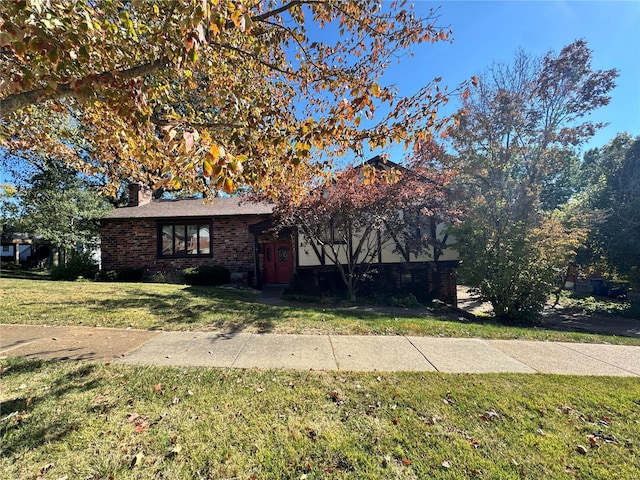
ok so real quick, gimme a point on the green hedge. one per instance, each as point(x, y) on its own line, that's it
point(207, 275)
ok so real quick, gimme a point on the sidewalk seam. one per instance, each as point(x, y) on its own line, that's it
point(568, 347)
point(333, 352)
point(421, 353)
point(235, 359)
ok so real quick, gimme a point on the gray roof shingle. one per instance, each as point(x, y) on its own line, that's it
point(193, 207)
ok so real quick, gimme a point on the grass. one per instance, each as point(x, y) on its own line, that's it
point(101, 421)
point(181, 307)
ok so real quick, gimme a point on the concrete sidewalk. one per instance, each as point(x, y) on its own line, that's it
point(318, 352)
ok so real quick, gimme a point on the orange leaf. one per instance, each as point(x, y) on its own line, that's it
point(157, 387)
point(217, 151)
point(141, 428)
point(406, 461)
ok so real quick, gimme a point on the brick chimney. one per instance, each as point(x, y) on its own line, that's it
point(139, 194)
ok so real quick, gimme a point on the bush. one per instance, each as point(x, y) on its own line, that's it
point(404, 301)
point(9, 265)
point(206, 275)
point(80, 265)
point(127, 274)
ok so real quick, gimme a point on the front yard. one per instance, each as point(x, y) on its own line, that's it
point(101, 421)
point(181, 307)
point(89, 420)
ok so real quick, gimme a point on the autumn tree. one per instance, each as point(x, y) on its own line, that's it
point(206, 95)
point(349, 220)
point(518, 133)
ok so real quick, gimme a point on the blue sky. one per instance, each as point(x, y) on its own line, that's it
point(485, 32)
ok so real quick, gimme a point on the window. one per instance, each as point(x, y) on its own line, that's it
point(182, 240)
point(335, 232)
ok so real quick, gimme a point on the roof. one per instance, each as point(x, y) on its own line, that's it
point(193, 207)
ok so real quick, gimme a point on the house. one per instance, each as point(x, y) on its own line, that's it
point(416, 260)
point(166, 236)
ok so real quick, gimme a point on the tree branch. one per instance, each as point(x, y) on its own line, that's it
point(18, 101)
point(284, 8)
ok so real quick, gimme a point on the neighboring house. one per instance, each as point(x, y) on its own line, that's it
point(166, 236)
point(26, 250)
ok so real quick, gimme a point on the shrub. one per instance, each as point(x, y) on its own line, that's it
point(206, 275)
point(404, 301)
point(9, 265)
point(80, 265)
point(126, 274)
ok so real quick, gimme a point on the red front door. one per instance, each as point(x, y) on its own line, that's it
point(277, 262)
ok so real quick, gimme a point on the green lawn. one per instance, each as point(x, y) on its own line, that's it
point(181, 307)
point(101, 421)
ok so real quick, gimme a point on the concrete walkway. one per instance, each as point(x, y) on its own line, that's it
point(318, 352)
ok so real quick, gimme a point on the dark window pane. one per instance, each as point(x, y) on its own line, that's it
point(167, 240)
point(192, 239)
point(179, 239)
point(283, 254)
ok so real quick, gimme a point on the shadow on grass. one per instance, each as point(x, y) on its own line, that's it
point(27, 421)
point(25, 274)
point(200, 306)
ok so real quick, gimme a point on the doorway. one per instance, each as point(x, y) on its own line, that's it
point(277, 262)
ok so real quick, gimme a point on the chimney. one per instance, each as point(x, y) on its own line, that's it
point(139, 194)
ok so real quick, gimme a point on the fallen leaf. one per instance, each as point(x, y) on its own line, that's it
point(157, 387)
point(137, 460)
point(446, 464)
point(141, 428)
point(406, 461)
point(132, 417)
point(581, 449)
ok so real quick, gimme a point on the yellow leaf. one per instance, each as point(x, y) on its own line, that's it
point(375, 90)
point(207, 168)
point(228, 186)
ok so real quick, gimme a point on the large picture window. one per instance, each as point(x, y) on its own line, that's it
point(185, 239)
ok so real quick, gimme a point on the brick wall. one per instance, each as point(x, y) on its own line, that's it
point(134, 243)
